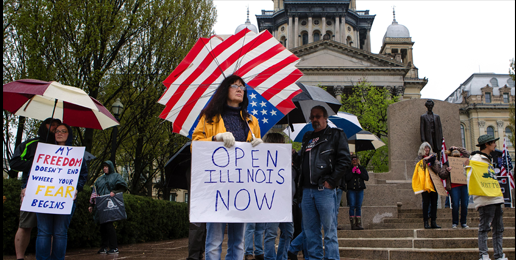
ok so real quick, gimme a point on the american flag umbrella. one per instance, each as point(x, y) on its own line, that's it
point(265, 65)
point(41, 99)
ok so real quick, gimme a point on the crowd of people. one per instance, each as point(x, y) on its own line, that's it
point(322, 170)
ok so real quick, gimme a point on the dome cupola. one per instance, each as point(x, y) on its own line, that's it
point(247, 25)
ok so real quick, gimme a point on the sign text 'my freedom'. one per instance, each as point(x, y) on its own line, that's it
point(241, 184)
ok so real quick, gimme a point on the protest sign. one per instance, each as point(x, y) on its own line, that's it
point(53, 179)
point(457, 172)
point(241, 184)
point(438, 185)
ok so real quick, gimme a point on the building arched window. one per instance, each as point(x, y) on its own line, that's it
point(508, 135)
point(463, 135)
point(283, 41)
point(494, 82)
point(305, 38)
point(490, 130)
point(349, 41)
point(317, 36)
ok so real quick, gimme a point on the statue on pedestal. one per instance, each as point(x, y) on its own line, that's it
point(431, 128)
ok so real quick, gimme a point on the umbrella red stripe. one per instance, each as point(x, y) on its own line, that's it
point(27, 86)
point(185, 111)
point(260, 59)
point(190, 57)
point(268, 73)
point(282, 84)
point(202, 66)
point(12, 102)
point(75, 115)
point(287, 105)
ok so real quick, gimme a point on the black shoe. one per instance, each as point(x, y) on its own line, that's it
point(426, 224)
point(113, 251)
point(102, 251)
point(291, 255)
point(434, 225)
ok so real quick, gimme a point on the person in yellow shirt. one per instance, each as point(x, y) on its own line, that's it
point(225, 119)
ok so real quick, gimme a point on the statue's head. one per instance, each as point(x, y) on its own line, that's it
point(429, 104)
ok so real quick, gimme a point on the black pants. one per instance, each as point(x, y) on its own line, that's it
point(108, 235)
point(429, 199)
point(196, 241)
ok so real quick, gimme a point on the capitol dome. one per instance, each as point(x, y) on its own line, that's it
point(247, 25)
point(396, 30)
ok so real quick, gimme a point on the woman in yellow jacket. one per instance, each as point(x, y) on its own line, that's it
point(225, 119)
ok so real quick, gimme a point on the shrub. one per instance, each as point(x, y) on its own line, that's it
point(147, 220)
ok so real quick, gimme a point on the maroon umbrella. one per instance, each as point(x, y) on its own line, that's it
point(41, 99)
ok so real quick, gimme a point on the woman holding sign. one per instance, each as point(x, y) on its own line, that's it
point(458, 192)
point(54, 225)
point(225, 119)
point(422, 183)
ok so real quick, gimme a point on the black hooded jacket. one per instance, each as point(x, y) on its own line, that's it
point(24, 153)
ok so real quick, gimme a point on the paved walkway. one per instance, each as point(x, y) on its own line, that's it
point(176, 249)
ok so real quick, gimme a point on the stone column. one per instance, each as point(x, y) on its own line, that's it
point(338, 92)
point(501, 132)
point(310, 32)
point(289, 33)
point(481, 125)
point(323, 27)
point(409, 56)
point(343, 31)
point(296, 32)
point(367, 44)
point(337, 27)
point(357, 41)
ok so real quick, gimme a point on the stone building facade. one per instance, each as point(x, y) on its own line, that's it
point(332, 39)
point(484, 100)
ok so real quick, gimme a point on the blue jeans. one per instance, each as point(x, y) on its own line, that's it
point(254, 230)
point(355, 202)
point(337, 204)
point(459, 195)
point(215, 235)
point(52, 225)
point(271, 232)
point(318, 208)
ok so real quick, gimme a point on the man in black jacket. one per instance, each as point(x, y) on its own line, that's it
point(323, 160)
point(22, 162)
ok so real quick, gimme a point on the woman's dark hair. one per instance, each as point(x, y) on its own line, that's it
point(275, 138)
point(69, 140)
point(220, 99)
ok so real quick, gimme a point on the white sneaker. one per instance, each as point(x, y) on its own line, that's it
point(485, 257)
point(503, 258)
point(454, 226)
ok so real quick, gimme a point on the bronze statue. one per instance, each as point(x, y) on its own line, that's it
point(431, 128)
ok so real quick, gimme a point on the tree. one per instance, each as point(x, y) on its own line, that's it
point(369, 103)
point(111, 49)
point(512, 71)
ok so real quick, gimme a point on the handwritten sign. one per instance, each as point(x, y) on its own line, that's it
point(457, 173)
point(241, 184)
point(438, 184)
point(53, 179)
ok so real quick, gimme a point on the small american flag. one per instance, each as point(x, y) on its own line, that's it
point(93, 195)
point(444, 160)
point(506, 169)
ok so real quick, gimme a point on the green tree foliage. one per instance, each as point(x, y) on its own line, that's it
point(111, 49)
point(512, 114)
point(369, 103)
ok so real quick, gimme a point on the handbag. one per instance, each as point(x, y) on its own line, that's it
point(110, 209)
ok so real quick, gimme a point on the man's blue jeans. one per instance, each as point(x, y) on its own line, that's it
point(215, 235)
point(271, 232)
point(459, 195)
point(318, 206)
point(56, 226)
point(355, 202)
point(337, 204)
point(254, 230)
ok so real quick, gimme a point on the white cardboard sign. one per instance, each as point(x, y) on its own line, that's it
point(53, 179)
point(241, 184)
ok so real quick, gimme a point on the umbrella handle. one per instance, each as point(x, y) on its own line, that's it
point(30, 100)
point(53, 111)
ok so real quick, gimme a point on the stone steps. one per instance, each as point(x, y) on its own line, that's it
point(422, 243)
point(417, 233)
point(417, 253)
point(440, 222)
point(472, 220)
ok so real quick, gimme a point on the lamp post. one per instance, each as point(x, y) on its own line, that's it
point(116, 108)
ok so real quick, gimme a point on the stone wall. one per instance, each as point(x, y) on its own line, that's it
point(404, 137)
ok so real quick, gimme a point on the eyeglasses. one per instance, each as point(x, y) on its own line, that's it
point(316, 117)
point(61, 131)
point(237, 86)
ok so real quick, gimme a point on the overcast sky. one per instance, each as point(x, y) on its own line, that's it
point(453, 39)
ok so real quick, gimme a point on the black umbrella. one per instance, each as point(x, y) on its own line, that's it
point(304, 101)
point(365, 140)
point(178, 167)
point(88, 156)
